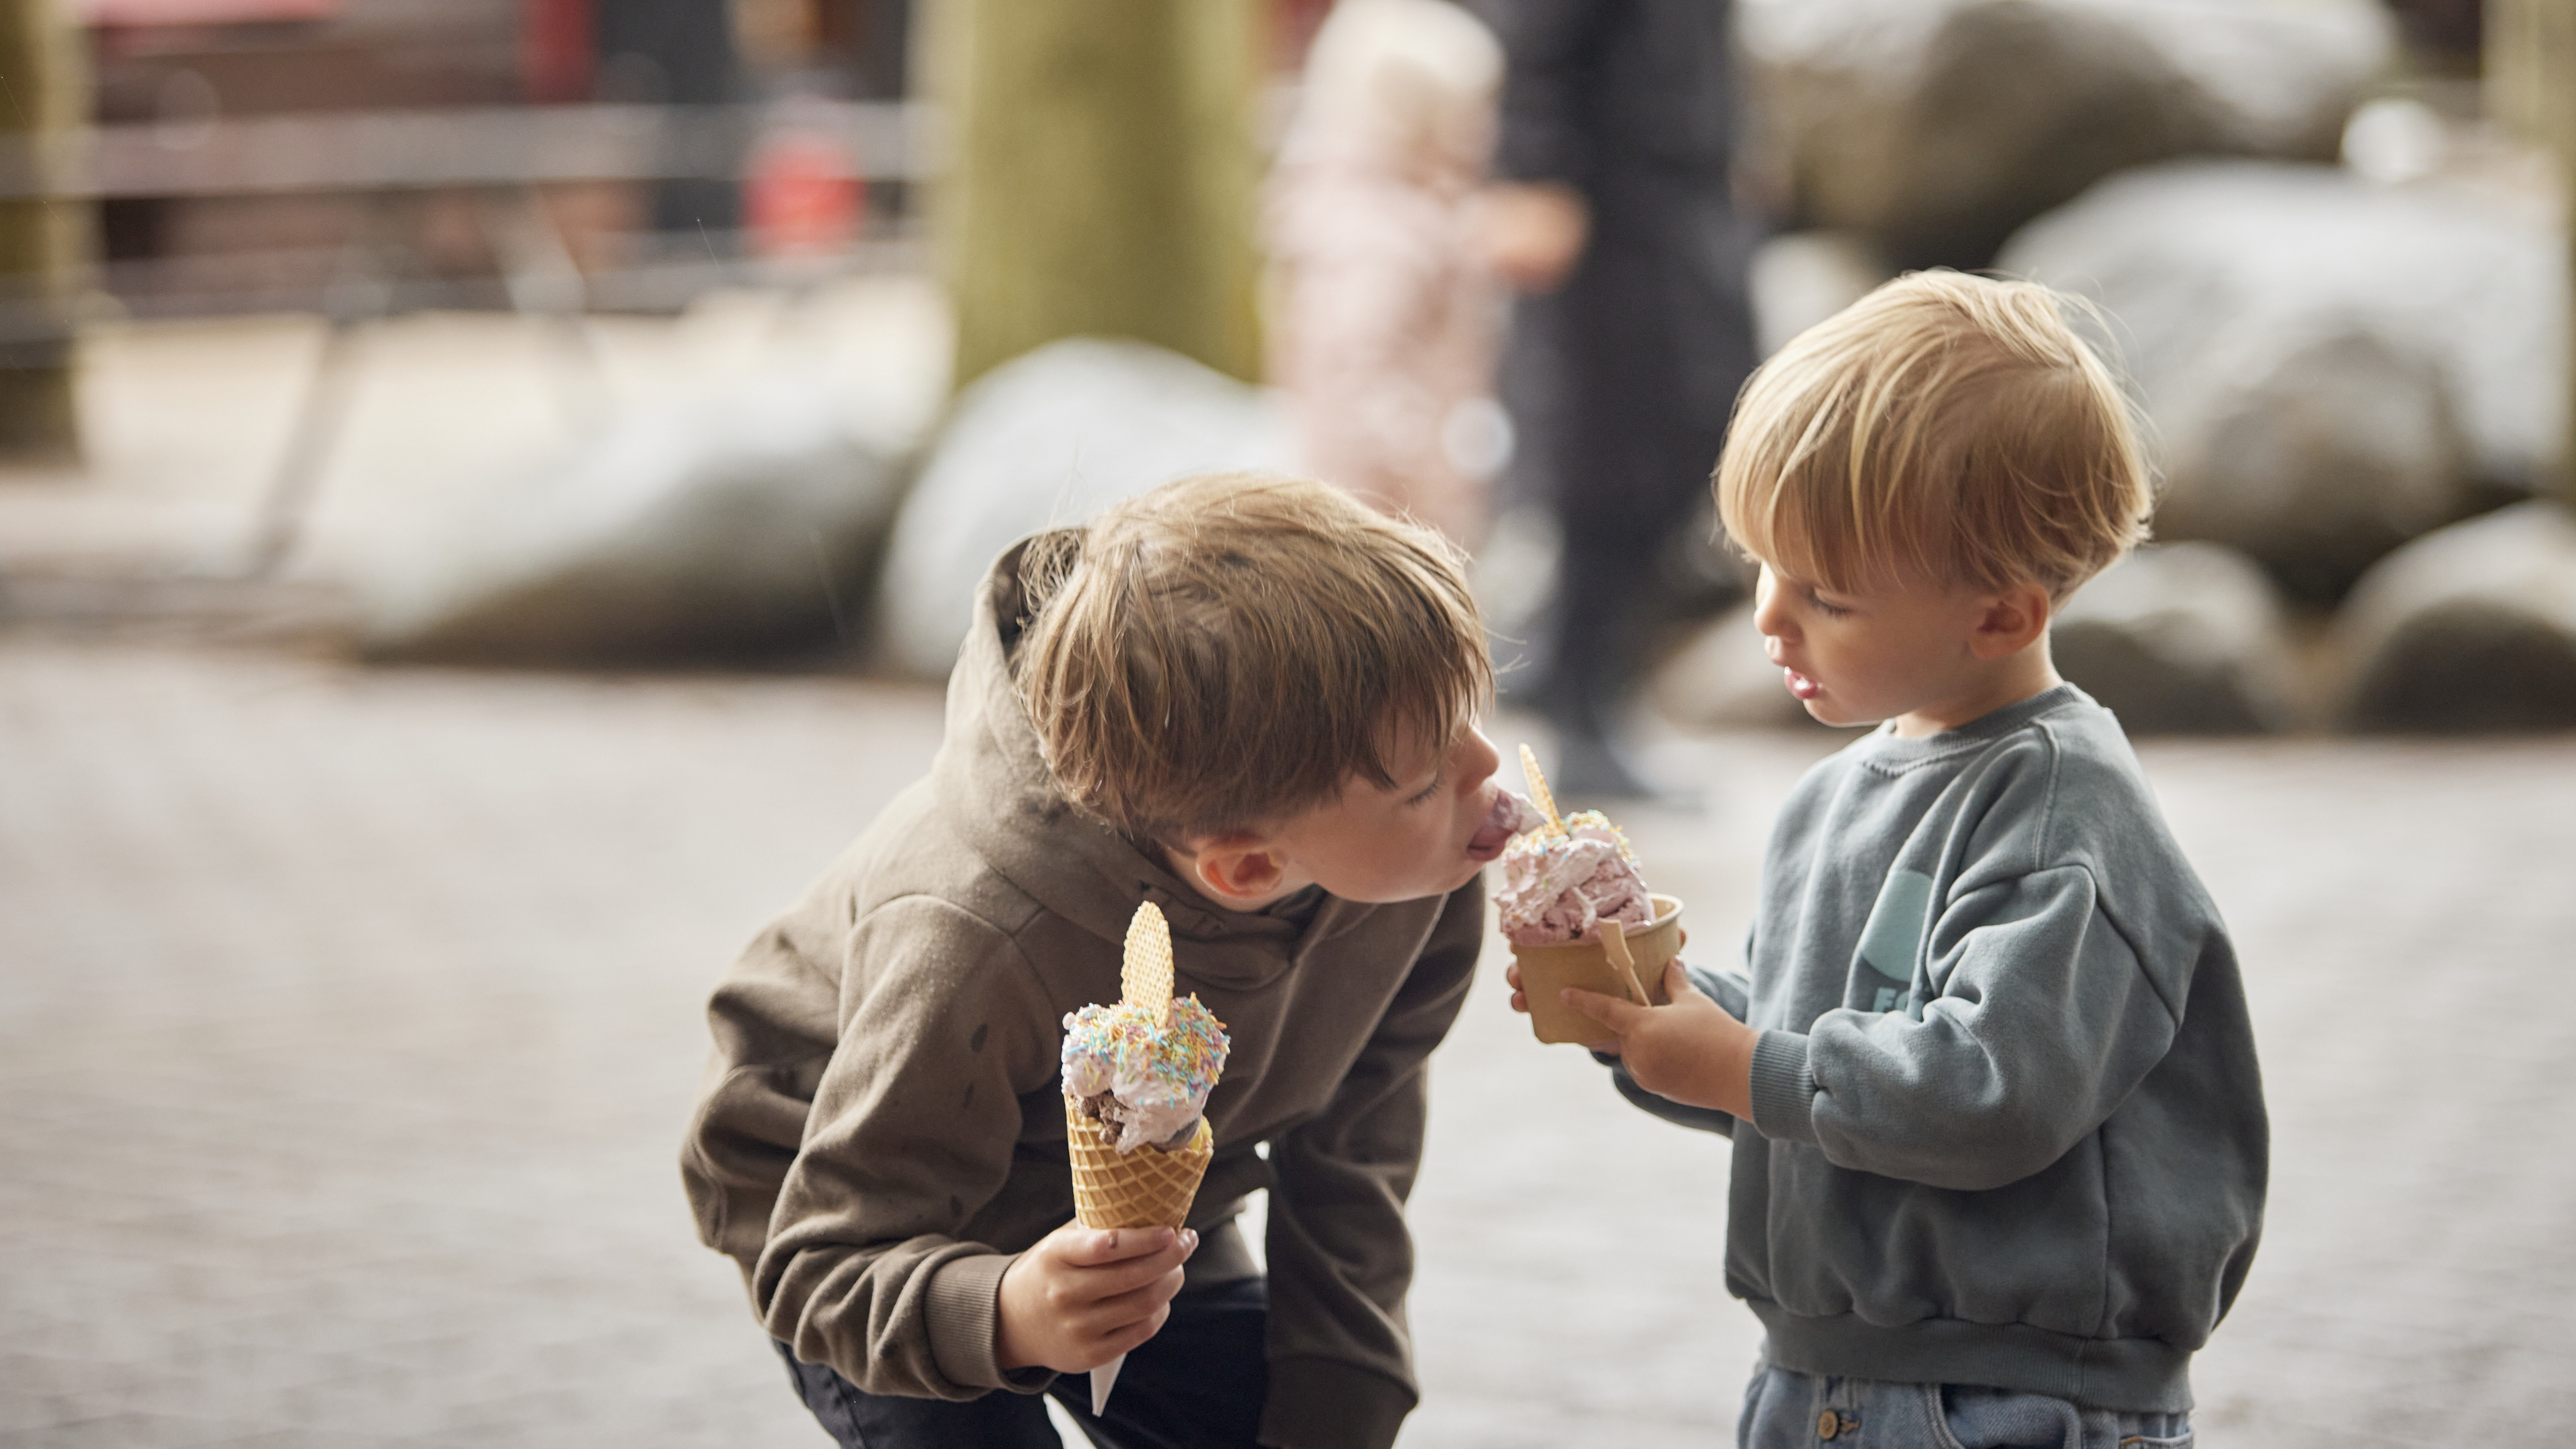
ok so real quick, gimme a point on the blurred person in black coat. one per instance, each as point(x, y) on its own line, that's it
point(1612, 214)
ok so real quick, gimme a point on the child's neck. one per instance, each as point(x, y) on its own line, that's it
point(1997, 684)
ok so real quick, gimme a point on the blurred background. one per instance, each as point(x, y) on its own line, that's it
point(489, 490)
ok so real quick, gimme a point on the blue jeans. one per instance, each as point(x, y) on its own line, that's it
point(1786, 1410)
point(1198, 1384)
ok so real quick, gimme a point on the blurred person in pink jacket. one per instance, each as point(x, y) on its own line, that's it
point(1383, 317)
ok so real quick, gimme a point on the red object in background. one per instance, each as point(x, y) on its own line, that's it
point(555, 50)
point(200, 12)
point(799, 196)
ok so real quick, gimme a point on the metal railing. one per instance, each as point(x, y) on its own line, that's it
point(503, 157)
point(427, 150)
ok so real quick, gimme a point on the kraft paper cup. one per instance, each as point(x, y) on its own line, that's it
point(1546, 970)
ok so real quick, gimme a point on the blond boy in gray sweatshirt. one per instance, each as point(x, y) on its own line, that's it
point(1999, 1130)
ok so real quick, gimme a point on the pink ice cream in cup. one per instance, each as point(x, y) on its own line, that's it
point(1577, 913)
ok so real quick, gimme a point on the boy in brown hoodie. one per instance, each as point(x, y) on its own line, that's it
point(1249, 700)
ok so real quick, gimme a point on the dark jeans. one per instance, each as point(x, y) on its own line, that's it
point(1787, 1410)
point(1198, 1384)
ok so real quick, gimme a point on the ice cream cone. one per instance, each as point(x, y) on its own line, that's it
point(1146, 1188)
point(1590, 965)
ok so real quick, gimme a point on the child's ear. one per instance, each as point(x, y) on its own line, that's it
point(2011, 621)
point(1237, 867)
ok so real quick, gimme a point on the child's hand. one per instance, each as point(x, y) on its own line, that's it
point(1690, 1051)
point(1082, 1296)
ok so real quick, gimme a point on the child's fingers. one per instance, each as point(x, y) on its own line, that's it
point(1098, 1247)
point(1139, 1302)
point(1119, 1323)
point(1109, 1281)
point(1621, 1017)
point(1677, 982)
point(1128, 1337)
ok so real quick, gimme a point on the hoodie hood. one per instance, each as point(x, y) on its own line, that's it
point(992, 781)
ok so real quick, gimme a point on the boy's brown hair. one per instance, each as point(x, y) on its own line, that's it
point(1231, 649)
point(1945, 427)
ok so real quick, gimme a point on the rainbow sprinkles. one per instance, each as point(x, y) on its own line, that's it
point(1149, 1080)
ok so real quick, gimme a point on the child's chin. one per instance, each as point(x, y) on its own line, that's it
point(1824, 712)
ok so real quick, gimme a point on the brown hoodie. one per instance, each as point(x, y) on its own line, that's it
point(880, 1127)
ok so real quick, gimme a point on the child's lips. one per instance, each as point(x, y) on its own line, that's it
point(1490, 837)
point(1799, 684)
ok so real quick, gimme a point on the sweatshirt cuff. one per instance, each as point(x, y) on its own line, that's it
point(1784, 1089)
point(963, 1314)
point(1322, 1403)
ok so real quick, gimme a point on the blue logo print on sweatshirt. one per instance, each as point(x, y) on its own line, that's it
point(1894, 937)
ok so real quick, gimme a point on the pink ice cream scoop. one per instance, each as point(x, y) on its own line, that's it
point(1560, 885)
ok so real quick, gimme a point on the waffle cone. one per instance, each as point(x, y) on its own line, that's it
point(1146, 1188)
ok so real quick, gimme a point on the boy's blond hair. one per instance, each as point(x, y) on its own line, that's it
point(1945, 427)
point(1229, 650)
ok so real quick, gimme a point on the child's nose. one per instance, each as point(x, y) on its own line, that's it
point(1769, 616)
point(1478, 760)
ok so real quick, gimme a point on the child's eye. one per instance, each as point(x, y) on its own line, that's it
point(1827, 607)
point(1427, 792)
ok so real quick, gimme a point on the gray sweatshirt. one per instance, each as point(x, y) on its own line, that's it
point(2009, 1128)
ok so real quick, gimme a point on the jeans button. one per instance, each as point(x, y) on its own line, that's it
point(1828, 1424)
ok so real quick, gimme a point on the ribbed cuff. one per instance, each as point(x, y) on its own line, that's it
point(1784, 1090)
point(963, 1314)
point(1322, 1403)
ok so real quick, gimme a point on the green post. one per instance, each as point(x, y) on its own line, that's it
point(2531, 91)
point(1102, 175)
point(43, 240)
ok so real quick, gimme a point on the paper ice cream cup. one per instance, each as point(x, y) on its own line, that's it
point(1547, 970)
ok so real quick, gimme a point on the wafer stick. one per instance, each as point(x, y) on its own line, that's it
point(1538, 790)
point(1145, 977)
point(1614, 944)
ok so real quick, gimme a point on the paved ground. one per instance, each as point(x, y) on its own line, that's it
point(348, 1019)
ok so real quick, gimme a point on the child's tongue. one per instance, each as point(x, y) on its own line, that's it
point(1496, 832)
